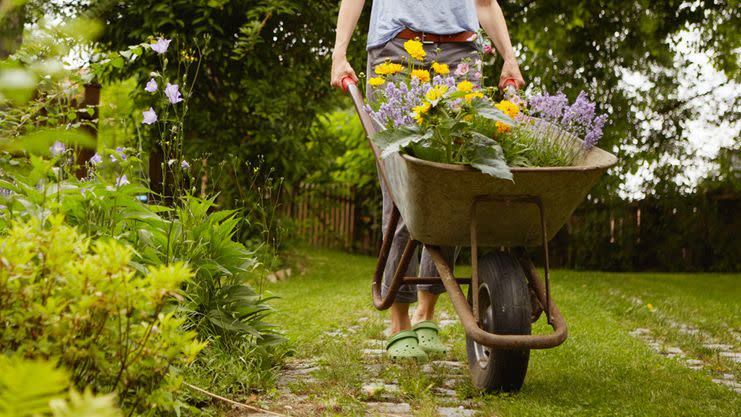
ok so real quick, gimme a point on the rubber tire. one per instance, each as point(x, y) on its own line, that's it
point(502, 277)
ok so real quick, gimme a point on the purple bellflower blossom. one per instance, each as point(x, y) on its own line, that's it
point(151, 86)
point(173, 94)
point(122, 180)
point(161, 45)
point(96, 159)
point(184, 165)
point(121, 151)
point(57, 148)
point(149, 116)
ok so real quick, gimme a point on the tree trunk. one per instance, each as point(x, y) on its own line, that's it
point(11, 28)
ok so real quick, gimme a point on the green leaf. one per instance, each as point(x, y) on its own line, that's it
point(394, 140)
point(484, 109)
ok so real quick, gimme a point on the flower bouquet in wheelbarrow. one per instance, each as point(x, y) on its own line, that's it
point(464, 169)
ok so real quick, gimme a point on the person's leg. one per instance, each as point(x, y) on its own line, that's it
point(429, 293)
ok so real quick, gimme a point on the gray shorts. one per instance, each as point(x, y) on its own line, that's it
point(451, 53)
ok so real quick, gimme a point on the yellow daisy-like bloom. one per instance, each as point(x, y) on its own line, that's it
point(465, 86)
point(376, 81)
point(387, 68)
point(415, 50)
point(508, 108)
point(422, 75)
point(471, 96)
point(420, 111)
point(503, 127)
point(441, 69)
point(437, 92)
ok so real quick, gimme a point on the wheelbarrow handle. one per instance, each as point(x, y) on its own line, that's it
point(346, 82)
point(509, 86)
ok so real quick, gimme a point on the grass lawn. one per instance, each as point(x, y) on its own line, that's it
point(601, 370)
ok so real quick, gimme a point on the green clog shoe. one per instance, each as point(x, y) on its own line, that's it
point(428, 337)
point(404, 345)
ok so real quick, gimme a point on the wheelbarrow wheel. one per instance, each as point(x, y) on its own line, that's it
point(504, 308)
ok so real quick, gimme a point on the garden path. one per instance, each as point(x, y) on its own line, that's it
point(622, 356)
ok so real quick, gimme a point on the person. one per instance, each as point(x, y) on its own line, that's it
point(447, 29)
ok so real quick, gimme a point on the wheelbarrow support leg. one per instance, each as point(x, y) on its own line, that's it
point(379, 301)
point(472, 328)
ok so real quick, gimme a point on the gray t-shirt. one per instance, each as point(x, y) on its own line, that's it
point(441, 17)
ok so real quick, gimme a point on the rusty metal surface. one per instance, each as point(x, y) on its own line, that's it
point(463, 309)
point(435, 199)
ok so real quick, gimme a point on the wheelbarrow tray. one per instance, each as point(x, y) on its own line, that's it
point(436, 200)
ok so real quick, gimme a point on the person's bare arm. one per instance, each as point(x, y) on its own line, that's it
point(347, 19)
point(492, 20)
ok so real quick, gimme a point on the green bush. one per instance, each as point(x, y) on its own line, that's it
point(39, 388)
point(64, 297)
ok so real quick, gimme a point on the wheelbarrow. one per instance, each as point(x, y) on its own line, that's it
point(455, 205)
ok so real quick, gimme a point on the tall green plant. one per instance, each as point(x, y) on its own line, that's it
point(65, 297)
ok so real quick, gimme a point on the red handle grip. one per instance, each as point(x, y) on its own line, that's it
point(509, 82)
point(346, 82)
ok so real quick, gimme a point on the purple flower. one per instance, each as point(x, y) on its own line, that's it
point(84, 191)
point(121, 153)
point(122, 180)
point(488, 50)
point(595, 132)
point(96, 159)
point(173, 94)
point(113, 157)
point(462, 69)
point(184, 164)
point(548, 107)
point(151, 86)
point(57, 148)
point(161, 45)
point(149, 116)
point(581, 113)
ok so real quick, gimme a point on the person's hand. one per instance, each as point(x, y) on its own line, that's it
point(341, 69)
point(511, 70)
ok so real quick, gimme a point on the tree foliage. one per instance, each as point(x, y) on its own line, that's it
point(593, 44)
point(264, 72)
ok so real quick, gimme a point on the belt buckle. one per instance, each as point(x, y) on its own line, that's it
point(425, 41)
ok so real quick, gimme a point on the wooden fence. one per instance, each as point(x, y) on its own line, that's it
point(331, 216)
point(699, 233)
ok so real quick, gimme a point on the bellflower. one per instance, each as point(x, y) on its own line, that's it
point(173, 94)
point(122, 180)
point(184, 164)
point(161, 45)
point(151, 86)
point(149, 116)
point(121, 153)
point(96, 159)
point(57, 148)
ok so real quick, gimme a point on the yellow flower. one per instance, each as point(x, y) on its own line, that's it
point(471, 96)
point(508, 108)
point(420, 111)
point(376, 81)
point(503, 127)
point(437, 92)
point(441, 69)
point(387, 68)
point(650, 307)
point(415, 50)
point(423, 108)
point(422, 75)
point(465, 86)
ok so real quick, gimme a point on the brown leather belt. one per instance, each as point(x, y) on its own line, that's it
point(433, 38)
